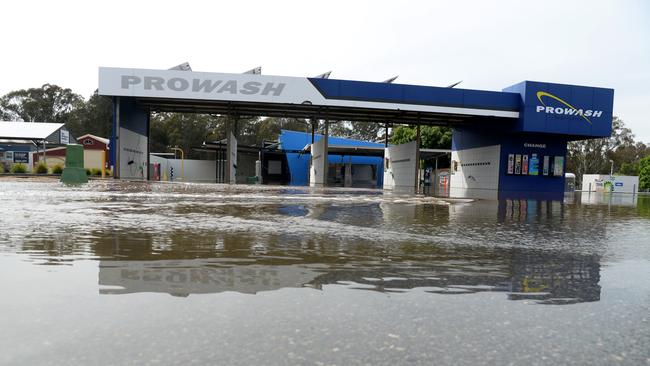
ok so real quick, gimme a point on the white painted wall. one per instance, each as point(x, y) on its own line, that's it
point(93, 159)
point(401, 169)
point(319, 164)
point(204, 171)
point(133, 155)
point(476, 170)
point(620, 183)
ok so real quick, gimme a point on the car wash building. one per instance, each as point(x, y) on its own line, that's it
point(509, 143)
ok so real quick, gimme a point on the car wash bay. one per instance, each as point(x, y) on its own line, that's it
point(488, 126)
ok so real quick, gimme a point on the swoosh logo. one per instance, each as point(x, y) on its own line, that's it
point(541, 94)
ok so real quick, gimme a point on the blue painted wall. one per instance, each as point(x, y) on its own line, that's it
point(299, 163)
point(518, 186)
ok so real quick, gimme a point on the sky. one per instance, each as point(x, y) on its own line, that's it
point(489, 45)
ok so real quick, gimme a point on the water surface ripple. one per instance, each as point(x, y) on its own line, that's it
point(137, 273)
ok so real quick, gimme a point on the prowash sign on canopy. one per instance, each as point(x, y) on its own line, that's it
point(252, 88)
point(509, 142)
point(564, 109)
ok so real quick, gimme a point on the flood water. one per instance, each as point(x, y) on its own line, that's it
point(117, 273)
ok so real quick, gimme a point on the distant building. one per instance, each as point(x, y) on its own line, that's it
point(366, 171)
point(95, 152)
point(21, 142)
point(607, 183)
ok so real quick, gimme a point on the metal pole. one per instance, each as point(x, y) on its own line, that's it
point(313, 131)
point(435, 178)
point(117, 173)
point(386, 137)
point(326, 155)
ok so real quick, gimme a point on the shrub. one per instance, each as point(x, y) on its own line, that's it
point(95, 171)
point(88, 172)
point(18, 168)
point(108, 172)
point(41, 168)
point(644, 173)
point(2, 168)
point(57, 169)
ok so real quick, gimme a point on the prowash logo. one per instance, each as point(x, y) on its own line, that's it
point(196, 85)
point(567, 110)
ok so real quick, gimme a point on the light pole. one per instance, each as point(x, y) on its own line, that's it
point(611, 169)
point(182, 161)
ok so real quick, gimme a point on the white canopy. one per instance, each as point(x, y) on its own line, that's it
point(28, 130)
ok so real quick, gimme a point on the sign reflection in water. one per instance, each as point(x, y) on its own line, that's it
point(251, 265)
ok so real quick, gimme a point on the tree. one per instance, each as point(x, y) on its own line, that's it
point(431, 137)
point(644, 173)
point(592, 156)
point(49, 103)
point(366, 131)
point(184, 130)
point(94, 116)
point(628, 169)
point(269, 129)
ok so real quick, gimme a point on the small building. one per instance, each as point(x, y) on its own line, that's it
point(361, 171)
point(26, 142)
point(610, 183)
point(95, 152)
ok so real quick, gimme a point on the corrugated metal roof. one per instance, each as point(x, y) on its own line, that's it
point(28, 130)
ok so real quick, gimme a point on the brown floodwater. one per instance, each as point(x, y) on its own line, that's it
point(126, 273)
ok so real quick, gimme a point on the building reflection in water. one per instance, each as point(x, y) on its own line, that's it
point(236, 265)
point(184, 262)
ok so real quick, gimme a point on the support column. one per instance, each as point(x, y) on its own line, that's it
point(115, 143)
point(348, 173)
point(131, 140)
point(231, 155)
point(319, 161)
point(434, 182)
point(326, 160)
point(417, 159)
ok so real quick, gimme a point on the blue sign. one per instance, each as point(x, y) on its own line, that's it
point(21, 157)
point(564, 109)
point(618, 184)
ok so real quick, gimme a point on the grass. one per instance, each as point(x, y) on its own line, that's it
point(18, 168)
point(41, 168)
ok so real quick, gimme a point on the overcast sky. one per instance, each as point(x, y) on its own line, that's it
point(487, 44)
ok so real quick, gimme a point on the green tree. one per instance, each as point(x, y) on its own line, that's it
point(431, 137)
point(644, 173)
point(49, 103)
point(94, 116)
point(628, 169)
point(184, 130)
point(592, 156)
point(269, 129)
point(365, 131)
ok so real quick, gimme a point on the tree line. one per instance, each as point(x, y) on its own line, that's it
point(52, 103)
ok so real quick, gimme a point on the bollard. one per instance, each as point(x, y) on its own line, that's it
point(74, 172)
